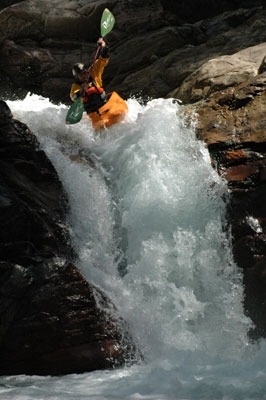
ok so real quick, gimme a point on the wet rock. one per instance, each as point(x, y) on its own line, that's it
point(51, 322)
point(255, 299)
point(232, 123)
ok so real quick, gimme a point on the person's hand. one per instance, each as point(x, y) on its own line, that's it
point(101, 42)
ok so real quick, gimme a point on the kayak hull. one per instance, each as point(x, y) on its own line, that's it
point(110, 113)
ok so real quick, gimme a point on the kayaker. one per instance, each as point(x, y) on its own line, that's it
point(88, 80)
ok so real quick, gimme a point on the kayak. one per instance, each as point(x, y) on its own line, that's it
point(112, 112)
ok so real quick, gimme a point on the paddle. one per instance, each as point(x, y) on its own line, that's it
point(107, 22)
point(75, 111)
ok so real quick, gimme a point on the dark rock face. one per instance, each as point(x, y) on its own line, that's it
point(32, 197)
point(238, 150)
point(50, 321)
point(7, 3)
point(154, 45)
point(194, 10)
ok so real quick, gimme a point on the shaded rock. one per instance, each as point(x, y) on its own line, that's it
point(249, 249)
point(6, 114)
point(153, 51)
point(262, 67)
point(201, 9)
point(51, 323)
point(233, 125)
point(52, 320)
point(7, 3)
point(33, 201)
point(255, 299)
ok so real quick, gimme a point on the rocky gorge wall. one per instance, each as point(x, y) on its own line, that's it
point(153, 50)
point(216, 66)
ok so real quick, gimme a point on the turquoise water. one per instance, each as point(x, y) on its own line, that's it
point(148, 222)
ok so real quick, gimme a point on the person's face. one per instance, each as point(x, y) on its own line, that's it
point(83, 76)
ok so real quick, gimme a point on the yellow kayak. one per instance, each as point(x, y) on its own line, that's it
point(110, 113)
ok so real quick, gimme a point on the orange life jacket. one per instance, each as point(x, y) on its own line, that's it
point(92, 90)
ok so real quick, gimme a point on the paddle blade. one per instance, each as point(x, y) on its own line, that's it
point(107, 22)
point(75, 112)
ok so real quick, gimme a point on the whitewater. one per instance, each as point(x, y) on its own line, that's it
point(148, 220)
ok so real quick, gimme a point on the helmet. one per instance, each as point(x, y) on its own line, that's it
point(77, 69)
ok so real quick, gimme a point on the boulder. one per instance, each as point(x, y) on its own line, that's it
point(232, 123)
point(235, 115)
point(153, 51)
point(222, 72)
point(51, 322)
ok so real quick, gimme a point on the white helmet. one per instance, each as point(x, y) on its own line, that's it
point(77, 69)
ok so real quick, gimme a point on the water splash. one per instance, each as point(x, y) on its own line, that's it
point(148, 220)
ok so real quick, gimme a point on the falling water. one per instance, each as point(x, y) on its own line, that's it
point(147, 218)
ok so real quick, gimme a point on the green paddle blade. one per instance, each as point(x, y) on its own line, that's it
point(107, 22)
point(75, 112)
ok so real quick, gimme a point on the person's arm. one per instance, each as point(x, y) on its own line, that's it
point(100, 63)
point(97, 70)
point(104, 51)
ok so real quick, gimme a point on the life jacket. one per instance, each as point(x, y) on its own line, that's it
point(93, 98)
point(93, 89)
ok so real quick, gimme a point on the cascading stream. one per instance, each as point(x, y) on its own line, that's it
point(148, 223)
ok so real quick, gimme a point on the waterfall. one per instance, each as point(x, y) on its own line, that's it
point(148, 220)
